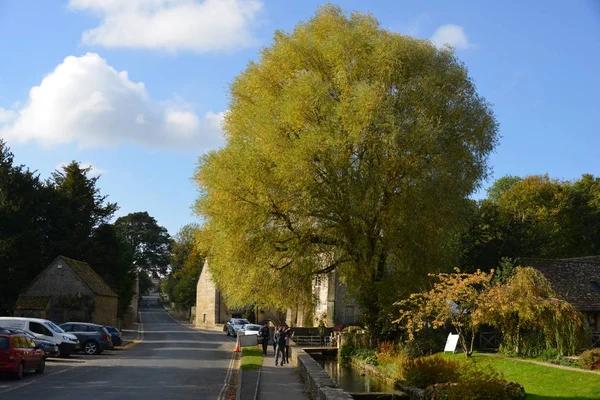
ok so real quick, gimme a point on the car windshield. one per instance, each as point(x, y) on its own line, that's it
point(241, 321)
point(53, 327)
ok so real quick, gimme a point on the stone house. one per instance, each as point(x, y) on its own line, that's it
point(332, 304)
point(577, 280)
point(68, 290)
point(212, 311)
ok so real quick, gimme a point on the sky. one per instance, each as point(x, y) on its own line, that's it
point(137, 89)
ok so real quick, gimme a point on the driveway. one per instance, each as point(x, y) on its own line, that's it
point(172, 361)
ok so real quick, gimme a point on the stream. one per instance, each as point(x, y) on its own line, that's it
point(352, 380)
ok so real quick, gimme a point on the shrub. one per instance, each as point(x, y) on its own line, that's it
point(427, 342)
point(590, 359)
point(345, 353)
point(476, 383)
point(425, 371)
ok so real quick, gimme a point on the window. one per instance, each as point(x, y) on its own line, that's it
point(3, 343)
point(204, 318)
point(67, 327)
point(596, 286)
point(39, 329)
point(19, 342)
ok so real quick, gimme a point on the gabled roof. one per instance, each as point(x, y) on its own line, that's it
point(576, 279)
point(89, 276)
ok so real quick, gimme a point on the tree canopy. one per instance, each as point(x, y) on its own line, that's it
point(150, 242)
point(348, 147)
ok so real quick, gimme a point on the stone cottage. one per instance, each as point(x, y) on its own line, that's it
point(212, 311)
point(577, 280)
point(68, 290)
point(332, 304)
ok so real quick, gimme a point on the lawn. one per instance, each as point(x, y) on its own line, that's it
point(541, 382)
point(252, 357)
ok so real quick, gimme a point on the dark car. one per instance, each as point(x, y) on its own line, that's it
point(18, 354)
point(115, 335)
point(94, 338)
point(50, 348)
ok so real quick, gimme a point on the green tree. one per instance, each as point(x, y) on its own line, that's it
point(22, 228)
point(530, 315)
point(186, 265)
point(349, 147)
point(150, 242)
point(112, 259)
point(75, 210)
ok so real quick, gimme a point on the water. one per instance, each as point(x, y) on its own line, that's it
point(351, 380)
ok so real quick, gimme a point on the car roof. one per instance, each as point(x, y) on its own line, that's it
point(8, 331)
point(82, 323)
point(40, 320)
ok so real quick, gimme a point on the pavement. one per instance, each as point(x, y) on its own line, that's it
point(279, 381)
point(171, 361)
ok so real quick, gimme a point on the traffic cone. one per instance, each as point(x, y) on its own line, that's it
point(237, 345)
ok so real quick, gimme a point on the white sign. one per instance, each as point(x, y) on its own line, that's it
point(451, 343)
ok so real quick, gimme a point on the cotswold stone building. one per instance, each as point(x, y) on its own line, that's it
point(68, 290)
point(332, 304)
point(577, 280)
point(211, 308)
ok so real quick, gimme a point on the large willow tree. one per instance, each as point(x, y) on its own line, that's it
point(348, 148)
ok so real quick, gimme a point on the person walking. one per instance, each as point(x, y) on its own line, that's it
point(280, 346)
point(275, 336)
point(288, 337)
point(264, 334)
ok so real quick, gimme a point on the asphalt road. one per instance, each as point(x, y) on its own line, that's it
point(171, 361)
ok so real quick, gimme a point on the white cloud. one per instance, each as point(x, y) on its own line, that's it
point(6, 115)
point(87, 102)
point(453, 35)
point(94, 171)
point(172, 25)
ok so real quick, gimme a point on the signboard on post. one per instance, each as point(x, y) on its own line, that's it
point(248, 340)
point(451, 343)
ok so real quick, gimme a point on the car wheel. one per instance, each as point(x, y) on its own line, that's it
point(91, 348)
point(228, 332)
point(20, 371)
point(40, 369)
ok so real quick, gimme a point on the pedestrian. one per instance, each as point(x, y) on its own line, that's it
point(264, 334)
point(280, 346)
point(288, 337)
point(275, 335)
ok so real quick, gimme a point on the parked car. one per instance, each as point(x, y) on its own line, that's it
point(94, 338)
point(250, 329)
point(50, 348)
point(234, 325)
point(45, 330)
point(19, 354)
point(115, 335)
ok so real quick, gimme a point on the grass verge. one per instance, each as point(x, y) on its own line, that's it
point(252, 357)
point(542, 382)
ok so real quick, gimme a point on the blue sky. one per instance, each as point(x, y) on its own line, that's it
point(65, 95)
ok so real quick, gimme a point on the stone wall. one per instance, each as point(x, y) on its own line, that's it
point(316, 381)
point(209, 304)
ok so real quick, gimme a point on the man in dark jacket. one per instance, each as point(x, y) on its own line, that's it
point(280, 346)
point(264, 337)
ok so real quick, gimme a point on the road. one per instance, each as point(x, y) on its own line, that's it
point(171, 361)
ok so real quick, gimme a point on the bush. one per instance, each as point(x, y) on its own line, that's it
point(590, 359)
point(427, 342)
point(425, 371)
point(475, 383)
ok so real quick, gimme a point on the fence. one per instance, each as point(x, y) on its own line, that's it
point(317, 341)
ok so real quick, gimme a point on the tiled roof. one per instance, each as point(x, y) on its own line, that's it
point(32, 302)
point(89, 277)
point(573, 278)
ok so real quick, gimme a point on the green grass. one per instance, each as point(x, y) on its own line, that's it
point(541, 382)
point(252, 357)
